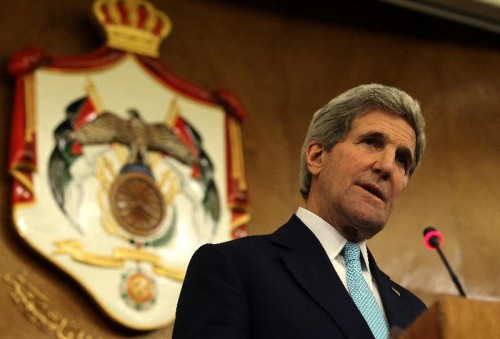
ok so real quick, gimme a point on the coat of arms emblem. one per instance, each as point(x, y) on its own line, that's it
point(120, 169)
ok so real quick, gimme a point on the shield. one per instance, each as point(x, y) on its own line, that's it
point(122, 170)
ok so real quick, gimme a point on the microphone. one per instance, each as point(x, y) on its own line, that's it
point(433, 240)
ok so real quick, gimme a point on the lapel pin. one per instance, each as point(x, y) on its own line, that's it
point(396, 291)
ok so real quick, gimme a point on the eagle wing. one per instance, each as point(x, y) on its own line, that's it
point(106, 128)
point(162, 139)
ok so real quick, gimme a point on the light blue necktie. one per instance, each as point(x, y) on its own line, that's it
point(361, 294)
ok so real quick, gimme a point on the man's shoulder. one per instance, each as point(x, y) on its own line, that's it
point(254, 250)
point(244, 255)
point(288, 230)
point(251, 248)
point(244, 243)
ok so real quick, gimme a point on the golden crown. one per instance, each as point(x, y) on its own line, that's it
point(132, 25)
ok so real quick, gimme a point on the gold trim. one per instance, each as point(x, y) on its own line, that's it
point(18, 168)
point(117, 259)
point(241, 220)
point(75, 249)
point(121, 153)
point(128, 37)
point(170, 180)
point(172, 112)
point(36, 306)
point(29, 107)
point(23, 179)
point(237, 160)
point(94, 96)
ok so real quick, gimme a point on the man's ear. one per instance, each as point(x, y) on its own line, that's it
point(313, 157)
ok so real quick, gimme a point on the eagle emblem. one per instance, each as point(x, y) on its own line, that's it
point(135, 133)
point(136, 203)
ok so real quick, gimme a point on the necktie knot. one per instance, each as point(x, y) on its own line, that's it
point(351, 252)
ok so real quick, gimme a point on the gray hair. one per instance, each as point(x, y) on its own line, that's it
point(331, 123)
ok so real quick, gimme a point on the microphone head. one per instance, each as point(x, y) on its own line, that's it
point(432, 238)
point(428, 229)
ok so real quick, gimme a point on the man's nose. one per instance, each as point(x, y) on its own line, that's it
point(384, 164)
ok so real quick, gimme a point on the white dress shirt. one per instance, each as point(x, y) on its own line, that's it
point(333, 243)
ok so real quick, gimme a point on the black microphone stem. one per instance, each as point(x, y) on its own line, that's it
point(452, 275)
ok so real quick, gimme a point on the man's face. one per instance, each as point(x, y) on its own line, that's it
point(356, 184)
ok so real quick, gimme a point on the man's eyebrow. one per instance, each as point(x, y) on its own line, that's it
point(383, 137)
point(374, 134)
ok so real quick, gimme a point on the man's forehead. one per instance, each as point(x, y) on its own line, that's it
point(390, 125)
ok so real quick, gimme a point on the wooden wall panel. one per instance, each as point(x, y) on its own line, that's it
point(284, 63)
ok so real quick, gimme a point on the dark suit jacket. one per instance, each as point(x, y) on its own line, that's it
point(280, 285)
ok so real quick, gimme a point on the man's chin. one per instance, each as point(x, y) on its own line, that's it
point(366, 228)
point(367, 215)
point(357, 233)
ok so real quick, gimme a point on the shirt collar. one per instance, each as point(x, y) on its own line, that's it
point(332, 241)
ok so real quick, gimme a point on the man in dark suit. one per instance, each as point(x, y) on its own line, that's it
point(314, 277)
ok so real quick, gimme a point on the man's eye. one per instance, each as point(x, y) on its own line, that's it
point(372, 142)
point(403, 161)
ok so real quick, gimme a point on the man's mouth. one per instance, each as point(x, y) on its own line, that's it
point(373, 189)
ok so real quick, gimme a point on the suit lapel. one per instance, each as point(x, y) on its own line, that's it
point(389, 294)
point(308, 263)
